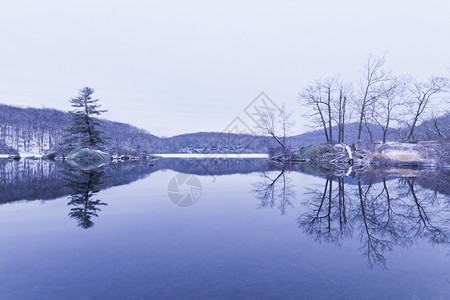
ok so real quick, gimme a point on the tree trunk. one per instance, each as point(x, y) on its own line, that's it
point(323, 122)
point(360, 125)
point(330, 128)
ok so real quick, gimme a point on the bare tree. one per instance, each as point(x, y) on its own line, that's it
point(312, 97)
point(387, 108)
point(371, 88)
point(277, 124)
point(437, 126)
point(341, 109)
point(328, 86)
point(328, 100)
point(421, 95)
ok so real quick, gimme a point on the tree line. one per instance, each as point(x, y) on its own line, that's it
point(40, 129)
point(380, 97)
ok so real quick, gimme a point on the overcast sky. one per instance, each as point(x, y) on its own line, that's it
point(184, 66)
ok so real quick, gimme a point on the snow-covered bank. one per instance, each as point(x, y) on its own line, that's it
point(421, 154)
point(361, 157)
point(212, 155)
point(22, 155)
point(30, 155)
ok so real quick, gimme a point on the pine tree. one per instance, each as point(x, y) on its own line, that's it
point(84, 131)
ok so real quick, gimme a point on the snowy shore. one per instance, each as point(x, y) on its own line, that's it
point(212, 155)
point(364, 156)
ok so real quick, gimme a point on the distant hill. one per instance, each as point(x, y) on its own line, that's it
point(40, 129)
point(213, 142)
point(351, 135)
point(434, 128)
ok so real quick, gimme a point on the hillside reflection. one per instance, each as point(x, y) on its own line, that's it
point(380, 213)
point(43, 180)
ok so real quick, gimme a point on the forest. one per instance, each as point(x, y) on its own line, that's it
point(40, 129)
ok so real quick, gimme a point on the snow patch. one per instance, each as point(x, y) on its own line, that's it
point(402, 155)
point(30, 154)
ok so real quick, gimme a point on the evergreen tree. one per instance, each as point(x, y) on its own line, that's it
point(84, 131)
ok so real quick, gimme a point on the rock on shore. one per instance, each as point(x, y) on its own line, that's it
point(86, 159)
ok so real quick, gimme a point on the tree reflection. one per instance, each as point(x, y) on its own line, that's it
point(380, 213)
point(373, 236)
point(389, 213)
point(84, 186)
point(427, 214)
point(274, 187)
point(328, 220)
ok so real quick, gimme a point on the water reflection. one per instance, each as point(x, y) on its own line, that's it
point(381, 214)
point(326, 217)
point(274, 189)
point(43, 180)
point(30, 180)
point(84, 186)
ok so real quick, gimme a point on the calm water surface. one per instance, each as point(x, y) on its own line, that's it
point(235, 228)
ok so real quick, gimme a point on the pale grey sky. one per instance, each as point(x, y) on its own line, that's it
point(184, 66)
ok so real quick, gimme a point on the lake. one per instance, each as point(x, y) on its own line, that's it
point(188, 228)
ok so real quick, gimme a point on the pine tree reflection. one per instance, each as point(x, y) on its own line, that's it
point(84, 186)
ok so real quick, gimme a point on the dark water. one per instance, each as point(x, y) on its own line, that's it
point(195, 229)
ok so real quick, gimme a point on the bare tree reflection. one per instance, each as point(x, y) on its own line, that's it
point(386, 213)
point(327, 220)
point(426, 212)
point(84, 186)
point(273, 189)
point(372, 234)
